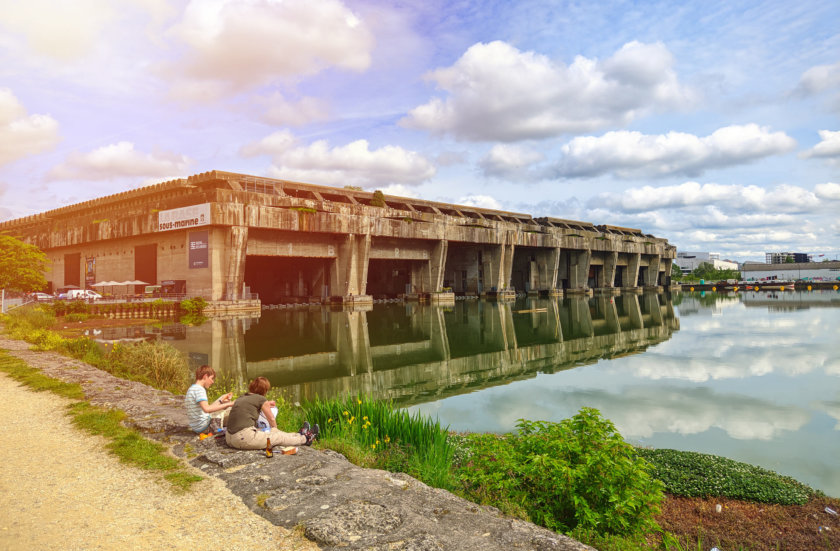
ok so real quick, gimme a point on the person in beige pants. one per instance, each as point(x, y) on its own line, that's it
point(242, 432)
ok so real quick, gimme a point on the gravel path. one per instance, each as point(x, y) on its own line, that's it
point(61, 490)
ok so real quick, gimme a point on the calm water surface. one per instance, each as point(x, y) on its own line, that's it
point(753, 376)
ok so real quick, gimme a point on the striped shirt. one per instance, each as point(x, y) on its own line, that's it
point(198, 419)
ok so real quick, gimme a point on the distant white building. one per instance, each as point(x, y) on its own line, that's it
point(817, 271)
point(690, 261)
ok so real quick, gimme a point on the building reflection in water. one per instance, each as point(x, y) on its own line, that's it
point(412, 353)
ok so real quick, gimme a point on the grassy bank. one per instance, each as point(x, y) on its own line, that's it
point(156, 364)
point(126, 444)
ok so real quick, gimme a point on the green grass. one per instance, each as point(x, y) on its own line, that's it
point(693, 474)
point(414, 444)
point(157, 364)
point(128, 445)
point(37, 381)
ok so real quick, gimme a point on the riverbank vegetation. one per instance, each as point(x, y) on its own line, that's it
point(155, 363)
point(577, 476)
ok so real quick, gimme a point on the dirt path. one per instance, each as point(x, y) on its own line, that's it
point(61, 490)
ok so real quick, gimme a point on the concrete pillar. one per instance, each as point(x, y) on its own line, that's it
point(437, 265)
point(562, 266)
point(653, 272)
point(235, 270)
point(498, 267)
point(609, 269)
point(492, 266)
point(351, 265)
point(544, 269)
point(579, 270)
point(631, 275)
point(506, 270)
point(666, 270)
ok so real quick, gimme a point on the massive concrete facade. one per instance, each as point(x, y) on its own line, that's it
point(221, 235)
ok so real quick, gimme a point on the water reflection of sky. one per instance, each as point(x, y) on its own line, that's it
point(754, 383)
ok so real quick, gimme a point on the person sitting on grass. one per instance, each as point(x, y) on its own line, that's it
point(195, 402)
point(242, 431)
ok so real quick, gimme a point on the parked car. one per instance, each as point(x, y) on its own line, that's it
point(41, 297)
point(80, 294)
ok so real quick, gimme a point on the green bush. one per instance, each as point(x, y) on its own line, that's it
point(693, 474)
point(76, 317)
point(78, 307)
point(195, 305)
point(576, 473)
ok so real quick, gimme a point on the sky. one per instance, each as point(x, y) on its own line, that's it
point(712, 124)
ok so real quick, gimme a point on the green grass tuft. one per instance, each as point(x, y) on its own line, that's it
point(37, 381)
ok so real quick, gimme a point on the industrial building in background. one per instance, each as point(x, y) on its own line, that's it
point(229, 237)
point(690, 261)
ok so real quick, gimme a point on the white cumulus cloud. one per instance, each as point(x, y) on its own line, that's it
point(20, 133)
point(633, 154)
point(62, 30)
point(352, 164)
point(829, 145)
point(279, 111)
point(238, 45)
point(820, 78)
point(275, 143)
point(119, 160)
point(830, 191)
point(480, 201)
point(509, 161)
point(496, 92)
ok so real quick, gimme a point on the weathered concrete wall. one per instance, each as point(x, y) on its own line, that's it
point(259, 216)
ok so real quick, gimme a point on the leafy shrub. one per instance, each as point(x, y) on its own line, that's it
point(44, 339)
point(76, 317)
point(693, 474)
point(195, 305)
point(77, 307)
point(578, 472)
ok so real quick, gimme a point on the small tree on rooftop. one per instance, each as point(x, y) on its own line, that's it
point(378, 199)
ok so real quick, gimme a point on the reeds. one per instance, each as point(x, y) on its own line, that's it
point(399, 440)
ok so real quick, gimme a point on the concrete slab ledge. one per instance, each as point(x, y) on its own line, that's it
point(222, 307)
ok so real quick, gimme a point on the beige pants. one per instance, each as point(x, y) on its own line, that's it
point(253, 438)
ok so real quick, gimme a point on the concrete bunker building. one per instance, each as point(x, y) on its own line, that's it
point(225, 236)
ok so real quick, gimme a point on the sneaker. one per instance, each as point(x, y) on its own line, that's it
point(304, 428)
point(312, 435)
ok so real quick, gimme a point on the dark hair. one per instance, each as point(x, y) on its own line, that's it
point(203, 371)
point(260, 385)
